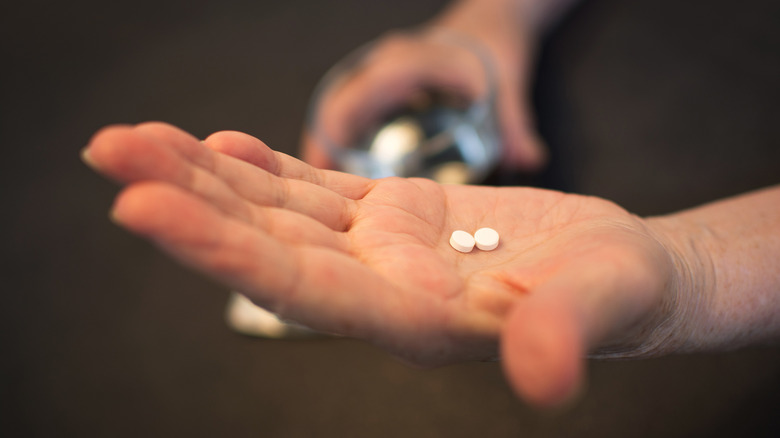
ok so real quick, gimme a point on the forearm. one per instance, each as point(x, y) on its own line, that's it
point(728, 260)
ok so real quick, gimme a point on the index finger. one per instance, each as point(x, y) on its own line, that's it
point(251, 150)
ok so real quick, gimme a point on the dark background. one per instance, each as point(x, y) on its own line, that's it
point(657, 105)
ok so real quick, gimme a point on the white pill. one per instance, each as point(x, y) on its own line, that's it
point(462, 241)
point(486, 239)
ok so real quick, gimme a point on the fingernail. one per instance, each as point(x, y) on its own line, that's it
point(113, 217)
point(87, 158)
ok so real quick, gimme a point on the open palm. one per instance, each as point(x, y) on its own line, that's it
point(371, 258)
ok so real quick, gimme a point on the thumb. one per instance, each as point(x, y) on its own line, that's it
point(314, 153)
point(546, 336)
point(523, 148)
point(542, 349)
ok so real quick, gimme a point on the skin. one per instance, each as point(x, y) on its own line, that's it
point(370, 259)
point(402, 63)
point(572, 277)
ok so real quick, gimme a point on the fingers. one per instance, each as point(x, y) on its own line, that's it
point(314, 153)
point(523, 149)
point(157, 151)
point(542, 350)
point(251, 150)
point(401, 67)
point(209, 240)
point(129, 154)
point(391, 76)
point(601, 298)
point(325, 289)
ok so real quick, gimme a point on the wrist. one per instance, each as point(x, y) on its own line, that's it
point(691, 288)
point(673, 324)
point(498, 24)
point(734, 246)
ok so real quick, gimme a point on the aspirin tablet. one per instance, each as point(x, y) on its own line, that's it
point(486, 239)
point(462, 241)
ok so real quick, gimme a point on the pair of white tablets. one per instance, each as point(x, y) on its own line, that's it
point(485, 239)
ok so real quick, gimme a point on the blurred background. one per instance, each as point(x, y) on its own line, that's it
point(657, 105)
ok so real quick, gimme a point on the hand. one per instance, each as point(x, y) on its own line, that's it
point(444, 58)
point(371, 259)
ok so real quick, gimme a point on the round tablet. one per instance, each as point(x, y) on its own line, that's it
point(462, 241)
point(486, 239)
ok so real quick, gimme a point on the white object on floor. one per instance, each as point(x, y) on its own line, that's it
point(462, 241)
point(486, 239)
